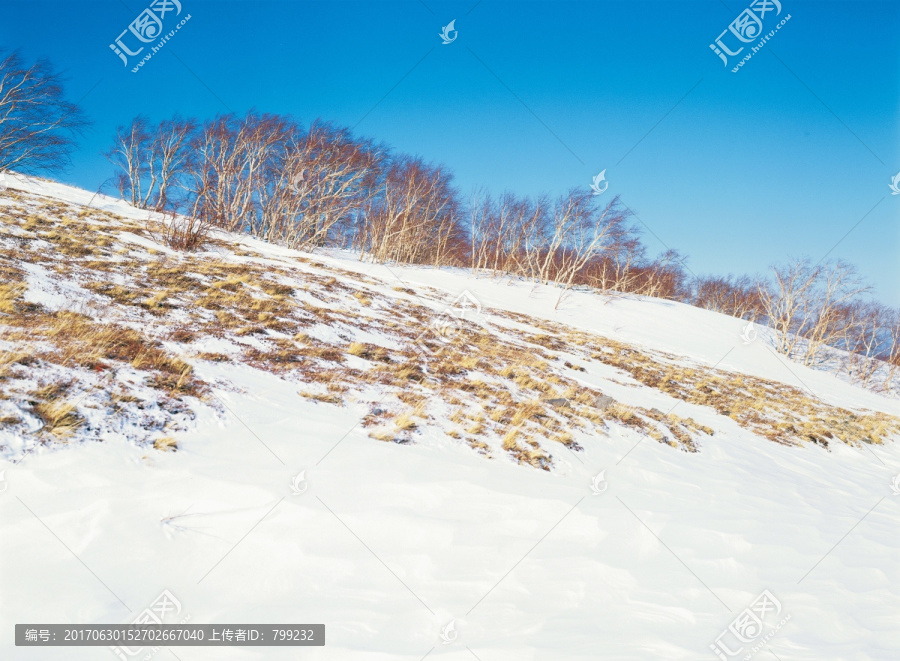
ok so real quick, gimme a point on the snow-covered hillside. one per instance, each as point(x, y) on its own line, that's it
point(430, 462)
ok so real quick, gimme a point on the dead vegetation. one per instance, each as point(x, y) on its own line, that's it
point(516, 392)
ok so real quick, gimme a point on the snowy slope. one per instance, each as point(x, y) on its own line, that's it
point(388, 543)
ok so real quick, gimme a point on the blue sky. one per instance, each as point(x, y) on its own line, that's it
point(738, 170)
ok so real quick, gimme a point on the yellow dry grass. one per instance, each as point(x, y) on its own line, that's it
point(230, 300)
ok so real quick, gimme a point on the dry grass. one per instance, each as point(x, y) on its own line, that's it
point(268, 316)
point(407, 420)
point(59, 416)
point(166, 444)
point(357, 349)
point(325, 398)
point(11, 296)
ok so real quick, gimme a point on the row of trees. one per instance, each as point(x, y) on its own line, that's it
point(813, 309)
point(304, 188)
point(307, 188)
point(320, 186)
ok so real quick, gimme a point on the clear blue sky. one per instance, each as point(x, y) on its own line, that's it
point(739, 170)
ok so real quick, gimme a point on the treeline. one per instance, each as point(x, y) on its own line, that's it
point(267, 176)
point(320, 186)
point(813, 309)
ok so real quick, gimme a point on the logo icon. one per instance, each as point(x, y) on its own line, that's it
point(299, 484)
point(163, 610)
point(449, 633)
point(445, 326)
point(598, 483)
point(747, 28)
point(748, 333)
point(146, 28)
point(895, 485)
point(600, 178)
point(895, 184)
point(445, 34)
point(749, 626)
point(297, 181)
point(5, 486)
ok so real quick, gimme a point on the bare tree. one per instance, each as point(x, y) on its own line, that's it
point(169, 158)
point(506, 233)
point(789, 304)
point(582, 230)
point(37, 125)
point(151, 162)
point(664, 277)
point(735, 296)
point(618, 268)
point(414, 218)
point(839, 285)
point(891, 354)
point(130, 154)
point(807, 305)
point(326, 181)
point(230, 172)
point(265, 175)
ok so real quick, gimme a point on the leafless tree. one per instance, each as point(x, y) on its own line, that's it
point(230, 171)
point(891, 354)
point(789, 303)
point(838, 285)
point(130, 154)
point(151, 161)
point(664, 277)
point(415, 216)
point(735, 296)
point(506, 233)
point(328, 177)
point(38, 125)
point(806, 305)
point(582, 230)
point(169, 158)
point(265, 175)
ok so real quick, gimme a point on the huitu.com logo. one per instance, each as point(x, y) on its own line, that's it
point(748, 333)
point(599, 179)
point(299, 484)
point(147, 28)
point(598, 483)
point(747, 31)
point(895, 184)
point(754, 626)
point(444, 327)
point(449, 633)
point(445, 33)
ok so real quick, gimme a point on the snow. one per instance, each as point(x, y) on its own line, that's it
point(390, 543)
